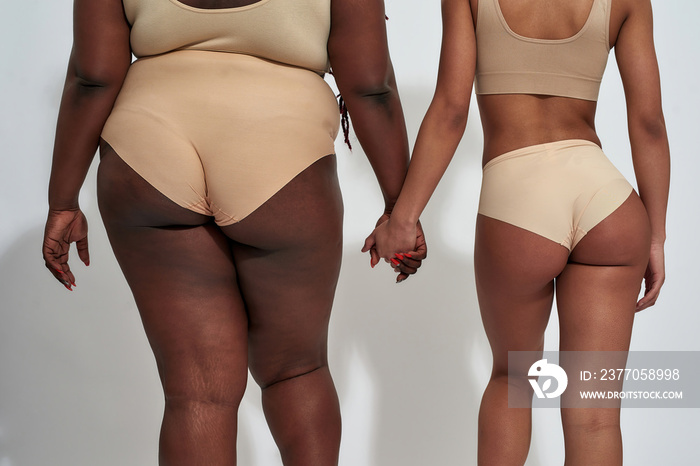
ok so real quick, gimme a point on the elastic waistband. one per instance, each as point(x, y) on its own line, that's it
point(541, 148)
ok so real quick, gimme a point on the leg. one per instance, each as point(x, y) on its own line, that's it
point(181, 272)
point(287, 254)
point(515, 270)
point(596, 298)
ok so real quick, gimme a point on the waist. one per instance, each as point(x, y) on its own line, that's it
point(514, 121)
point(223, 83)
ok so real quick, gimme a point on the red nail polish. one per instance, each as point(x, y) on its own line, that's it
point(408, 255)
point(400, 256)
point(59, 271)
point(394, 261)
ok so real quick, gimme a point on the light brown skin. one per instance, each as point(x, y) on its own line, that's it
point(517, 271)
point(216, 302)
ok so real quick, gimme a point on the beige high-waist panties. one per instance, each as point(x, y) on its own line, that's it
point(221, 133)
point(559, 190)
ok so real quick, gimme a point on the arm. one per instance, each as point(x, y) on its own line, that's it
point(440, 132)
point(362, 68)
point(98, 63)
point(359, 57)
point(636, 59)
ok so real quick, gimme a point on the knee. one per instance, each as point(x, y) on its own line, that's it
point(513, 386)
point(204, 397)
point(517, 383)
point(202, 403)
point(271, 362)
point(267, 376)
point(590, 421)
point(204, 388)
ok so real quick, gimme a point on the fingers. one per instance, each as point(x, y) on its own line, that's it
point(653, 289)
point(373, 257)
point(369, 243)
point(408, 260)
point(82, 247)
point(56, 260)
point(65, 279)
point(405, 265)
point(421, 249)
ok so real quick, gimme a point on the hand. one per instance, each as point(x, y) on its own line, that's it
point(62, 228)
point(407, 264)
point(404, 248)
point(654, 277)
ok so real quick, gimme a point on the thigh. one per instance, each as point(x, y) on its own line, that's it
point(181, 271)
point(287, 254)
point(596, 298)
point(598, 289)
point(515, 269)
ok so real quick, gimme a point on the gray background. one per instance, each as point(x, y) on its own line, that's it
point(78, 384)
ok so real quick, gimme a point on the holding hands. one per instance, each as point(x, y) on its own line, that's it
point(401, 245)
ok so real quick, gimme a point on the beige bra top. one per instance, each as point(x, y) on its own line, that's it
point(291, 32)
point(508, 63)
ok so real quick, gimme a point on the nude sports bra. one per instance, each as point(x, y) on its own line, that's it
point(508, 63)
point(290, 32)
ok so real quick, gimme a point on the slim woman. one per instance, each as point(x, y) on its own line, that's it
point(218, 189)
point(554, 213)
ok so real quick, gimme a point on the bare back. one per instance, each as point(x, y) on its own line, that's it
point(512, 121)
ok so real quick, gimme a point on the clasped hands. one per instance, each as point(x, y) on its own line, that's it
point(400, 245)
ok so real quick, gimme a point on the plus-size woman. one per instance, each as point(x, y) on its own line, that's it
point(218, 190)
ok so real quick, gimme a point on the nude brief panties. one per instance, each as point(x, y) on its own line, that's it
point(220, 133)
point(559, 190)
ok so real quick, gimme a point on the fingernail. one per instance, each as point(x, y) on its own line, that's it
point(59, 271)
point(371, 264)
point(394, 261)
point(68, 287)
point(73, 284)
point(400, 256)
point(399, 280)
point(408, 255)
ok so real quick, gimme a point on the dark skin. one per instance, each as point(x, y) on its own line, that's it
point(598, 283)
point(517, 271)
point(217, 302)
